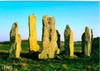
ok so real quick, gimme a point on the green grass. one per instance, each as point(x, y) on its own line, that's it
point(25, 46)
point(62, 64)
point(53, 65)
point(78, 47)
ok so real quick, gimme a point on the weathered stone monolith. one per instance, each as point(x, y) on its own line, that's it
point(91, 36)
point(58, 39)
point(86, 43)
point(33, 44)
point(15, 42)
point(69, 42)
point(95, 49)
point(49, 38)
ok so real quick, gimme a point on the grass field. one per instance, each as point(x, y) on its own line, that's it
point(29, 63)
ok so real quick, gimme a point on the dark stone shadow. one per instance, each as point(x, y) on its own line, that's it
point(30, 55)
point(79, 54)
point(4, 55)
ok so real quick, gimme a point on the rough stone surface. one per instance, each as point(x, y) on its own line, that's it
point(95, 49)
point(15, 42)
point(86, 43)
point(33, 44)
point(49, 38)
point(91, 36)
point(58, 39)
point(69, 41)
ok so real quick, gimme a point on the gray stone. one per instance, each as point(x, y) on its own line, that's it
point(86, 43)
point(69, 41)
point(15, 42)
point(49, 38)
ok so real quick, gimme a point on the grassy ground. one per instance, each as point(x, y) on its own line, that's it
point(29, 63)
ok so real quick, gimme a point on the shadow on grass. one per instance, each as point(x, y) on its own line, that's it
point(4, 55)
point(34, 56)
point(79, 54)
point(30, 55)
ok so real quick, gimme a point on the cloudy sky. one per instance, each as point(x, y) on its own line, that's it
point(77, 15)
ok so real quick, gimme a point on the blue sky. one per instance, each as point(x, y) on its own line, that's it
point(50, 0)
point(76, 14)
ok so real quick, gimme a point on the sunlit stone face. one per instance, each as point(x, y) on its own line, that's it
point(49, 38)
point(15, 42)
point(86, 44)
point(33, 45)
point(69, 41)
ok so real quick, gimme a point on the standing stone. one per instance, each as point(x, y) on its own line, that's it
point(95, 49)
point(86, 44)
point(58, 39)
point(15, 42)
point(33, 44)
point(49, 38)
point(83, 43)
point(91, 36)
point(69, 41)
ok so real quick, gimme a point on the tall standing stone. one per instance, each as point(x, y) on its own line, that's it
point(95, 49)
point(33, 44)
point(49, 38)
point(83, 43)
point(91, 36)
point(86, 43)
point(69, 41)
point(15, 42)
point(58, 39)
